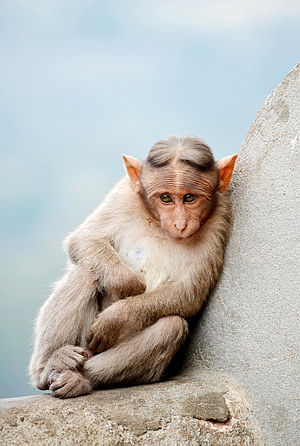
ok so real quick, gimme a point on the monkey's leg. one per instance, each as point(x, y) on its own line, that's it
point(62, 328)
point(141, 358)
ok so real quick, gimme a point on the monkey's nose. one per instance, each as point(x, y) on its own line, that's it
point(180, 225)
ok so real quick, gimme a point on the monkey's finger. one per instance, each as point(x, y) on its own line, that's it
point(65, 391)
point(74, 384)
point(72, 361)
point(53, 376)
point(61, 380)
point(78, 359)
point(58, 384)
point(79, 356)
point(81, 351)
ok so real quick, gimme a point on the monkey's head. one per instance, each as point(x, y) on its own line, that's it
point(178, 182)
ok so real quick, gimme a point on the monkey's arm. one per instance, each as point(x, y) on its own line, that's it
point(137, 312)
point(98, 255)
point(183, 298)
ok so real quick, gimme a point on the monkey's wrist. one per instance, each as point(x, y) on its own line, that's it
point(121, 283)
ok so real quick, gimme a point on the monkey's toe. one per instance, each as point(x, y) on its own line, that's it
point(69, 384)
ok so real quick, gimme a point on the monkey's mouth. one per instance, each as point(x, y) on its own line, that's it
point(179, 238)
point(175, 239)
point(182, 239)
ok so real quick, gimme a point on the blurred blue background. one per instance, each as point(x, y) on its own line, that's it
point(82, 82)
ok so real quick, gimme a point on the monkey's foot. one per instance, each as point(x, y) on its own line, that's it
point(68, 384)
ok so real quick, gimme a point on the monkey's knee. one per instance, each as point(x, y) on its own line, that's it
point(168, 334)
point(174, 327)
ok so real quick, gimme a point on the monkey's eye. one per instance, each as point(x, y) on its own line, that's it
point(165, 198)
point(189, 198)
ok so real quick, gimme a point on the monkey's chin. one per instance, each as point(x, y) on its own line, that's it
point(181, 240)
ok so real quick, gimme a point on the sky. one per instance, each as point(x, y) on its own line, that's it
point(82, 82)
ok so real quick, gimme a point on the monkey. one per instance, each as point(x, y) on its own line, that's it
point(138, 268)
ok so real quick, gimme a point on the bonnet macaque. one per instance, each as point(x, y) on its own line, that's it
point(140, 265)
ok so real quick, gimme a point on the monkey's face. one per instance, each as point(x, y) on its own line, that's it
point(178, 183)
point(181, 214)
point(180, 199)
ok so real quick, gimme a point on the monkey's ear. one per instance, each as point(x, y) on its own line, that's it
point(133, 167)
point(226, 166)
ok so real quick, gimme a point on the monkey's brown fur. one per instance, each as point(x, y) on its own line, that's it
point(135, 274)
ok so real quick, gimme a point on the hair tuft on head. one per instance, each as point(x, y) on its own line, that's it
point(186, 149)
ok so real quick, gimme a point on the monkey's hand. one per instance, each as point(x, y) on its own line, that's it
point(68, 357)
point(122, 283)
point(114, 323)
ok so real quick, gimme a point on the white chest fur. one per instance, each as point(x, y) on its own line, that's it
point(155, 261)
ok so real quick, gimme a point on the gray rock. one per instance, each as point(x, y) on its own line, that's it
point(250, 326)
point(207, 410)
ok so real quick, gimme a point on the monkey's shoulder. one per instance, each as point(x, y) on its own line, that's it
point(119, 207)
point(123, 209)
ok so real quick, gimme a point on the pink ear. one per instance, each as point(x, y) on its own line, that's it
point(133, 167)
point(226, 166)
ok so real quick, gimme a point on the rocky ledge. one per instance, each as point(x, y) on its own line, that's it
point(206, 410)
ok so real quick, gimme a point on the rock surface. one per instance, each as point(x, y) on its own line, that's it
point(250, 326)
point(207, 410)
